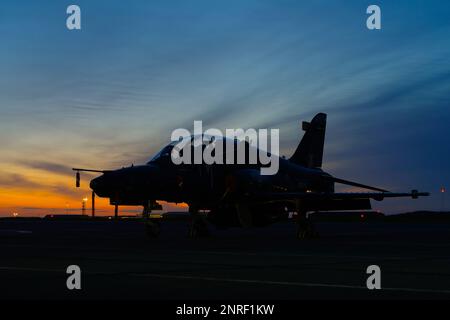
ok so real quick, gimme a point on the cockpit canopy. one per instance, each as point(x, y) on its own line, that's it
point(165, 153)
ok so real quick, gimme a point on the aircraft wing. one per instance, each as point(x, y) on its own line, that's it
point(378, 196)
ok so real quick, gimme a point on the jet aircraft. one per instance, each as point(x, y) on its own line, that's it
point(238, 195)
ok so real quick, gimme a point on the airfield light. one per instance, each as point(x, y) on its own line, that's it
point(83, 206)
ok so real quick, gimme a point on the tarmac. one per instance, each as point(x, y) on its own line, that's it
point(118, 261)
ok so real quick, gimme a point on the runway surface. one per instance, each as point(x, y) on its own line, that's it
point(118, 261)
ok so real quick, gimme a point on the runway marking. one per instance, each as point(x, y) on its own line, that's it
point(312, 255)
point(286, 283)
point(31, 269)
point(248, 281)
point(275, 254)
point(9, 232)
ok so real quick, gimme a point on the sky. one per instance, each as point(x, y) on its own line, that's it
point(110, 94)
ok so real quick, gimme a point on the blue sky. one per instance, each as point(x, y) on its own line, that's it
point(110, 94)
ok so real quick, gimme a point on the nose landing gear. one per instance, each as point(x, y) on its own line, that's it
point(152, 226)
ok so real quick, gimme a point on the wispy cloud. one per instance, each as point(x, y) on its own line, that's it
point(50, 167)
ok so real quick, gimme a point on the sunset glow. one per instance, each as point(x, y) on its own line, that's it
point(110, 94)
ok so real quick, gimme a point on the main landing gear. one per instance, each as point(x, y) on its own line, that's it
point(306, 229)
point(198, 227)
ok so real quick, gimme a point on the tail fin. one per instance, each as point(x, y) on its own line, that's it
point(309, 152)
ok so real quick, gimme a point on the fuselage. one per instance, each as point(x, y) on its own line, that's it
point(203, 184)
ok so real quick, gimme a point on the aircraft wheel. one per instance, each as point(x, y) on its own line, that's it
point(301, 234)
point(193, 232)
point(198, 229)
point(306, 230)
point(152, 229)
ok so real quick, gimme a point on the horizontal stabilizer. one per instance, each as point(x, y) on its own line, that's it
point(286, 196)
point(356, 184)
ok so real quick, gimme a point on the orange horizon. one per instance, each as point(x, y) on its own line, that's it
point(33, 192)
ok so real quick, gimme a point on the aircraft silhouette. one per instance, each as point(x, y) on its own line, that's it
point(238, 195)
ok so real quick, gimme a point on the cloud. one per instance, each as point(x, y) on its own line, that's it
point(16, 180)
point(52, 167)
point(21, 181)
point(395, 92)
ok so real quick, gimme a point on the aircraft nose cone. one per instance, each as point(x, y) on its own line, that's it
point(96, 183)
point(100, 186)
